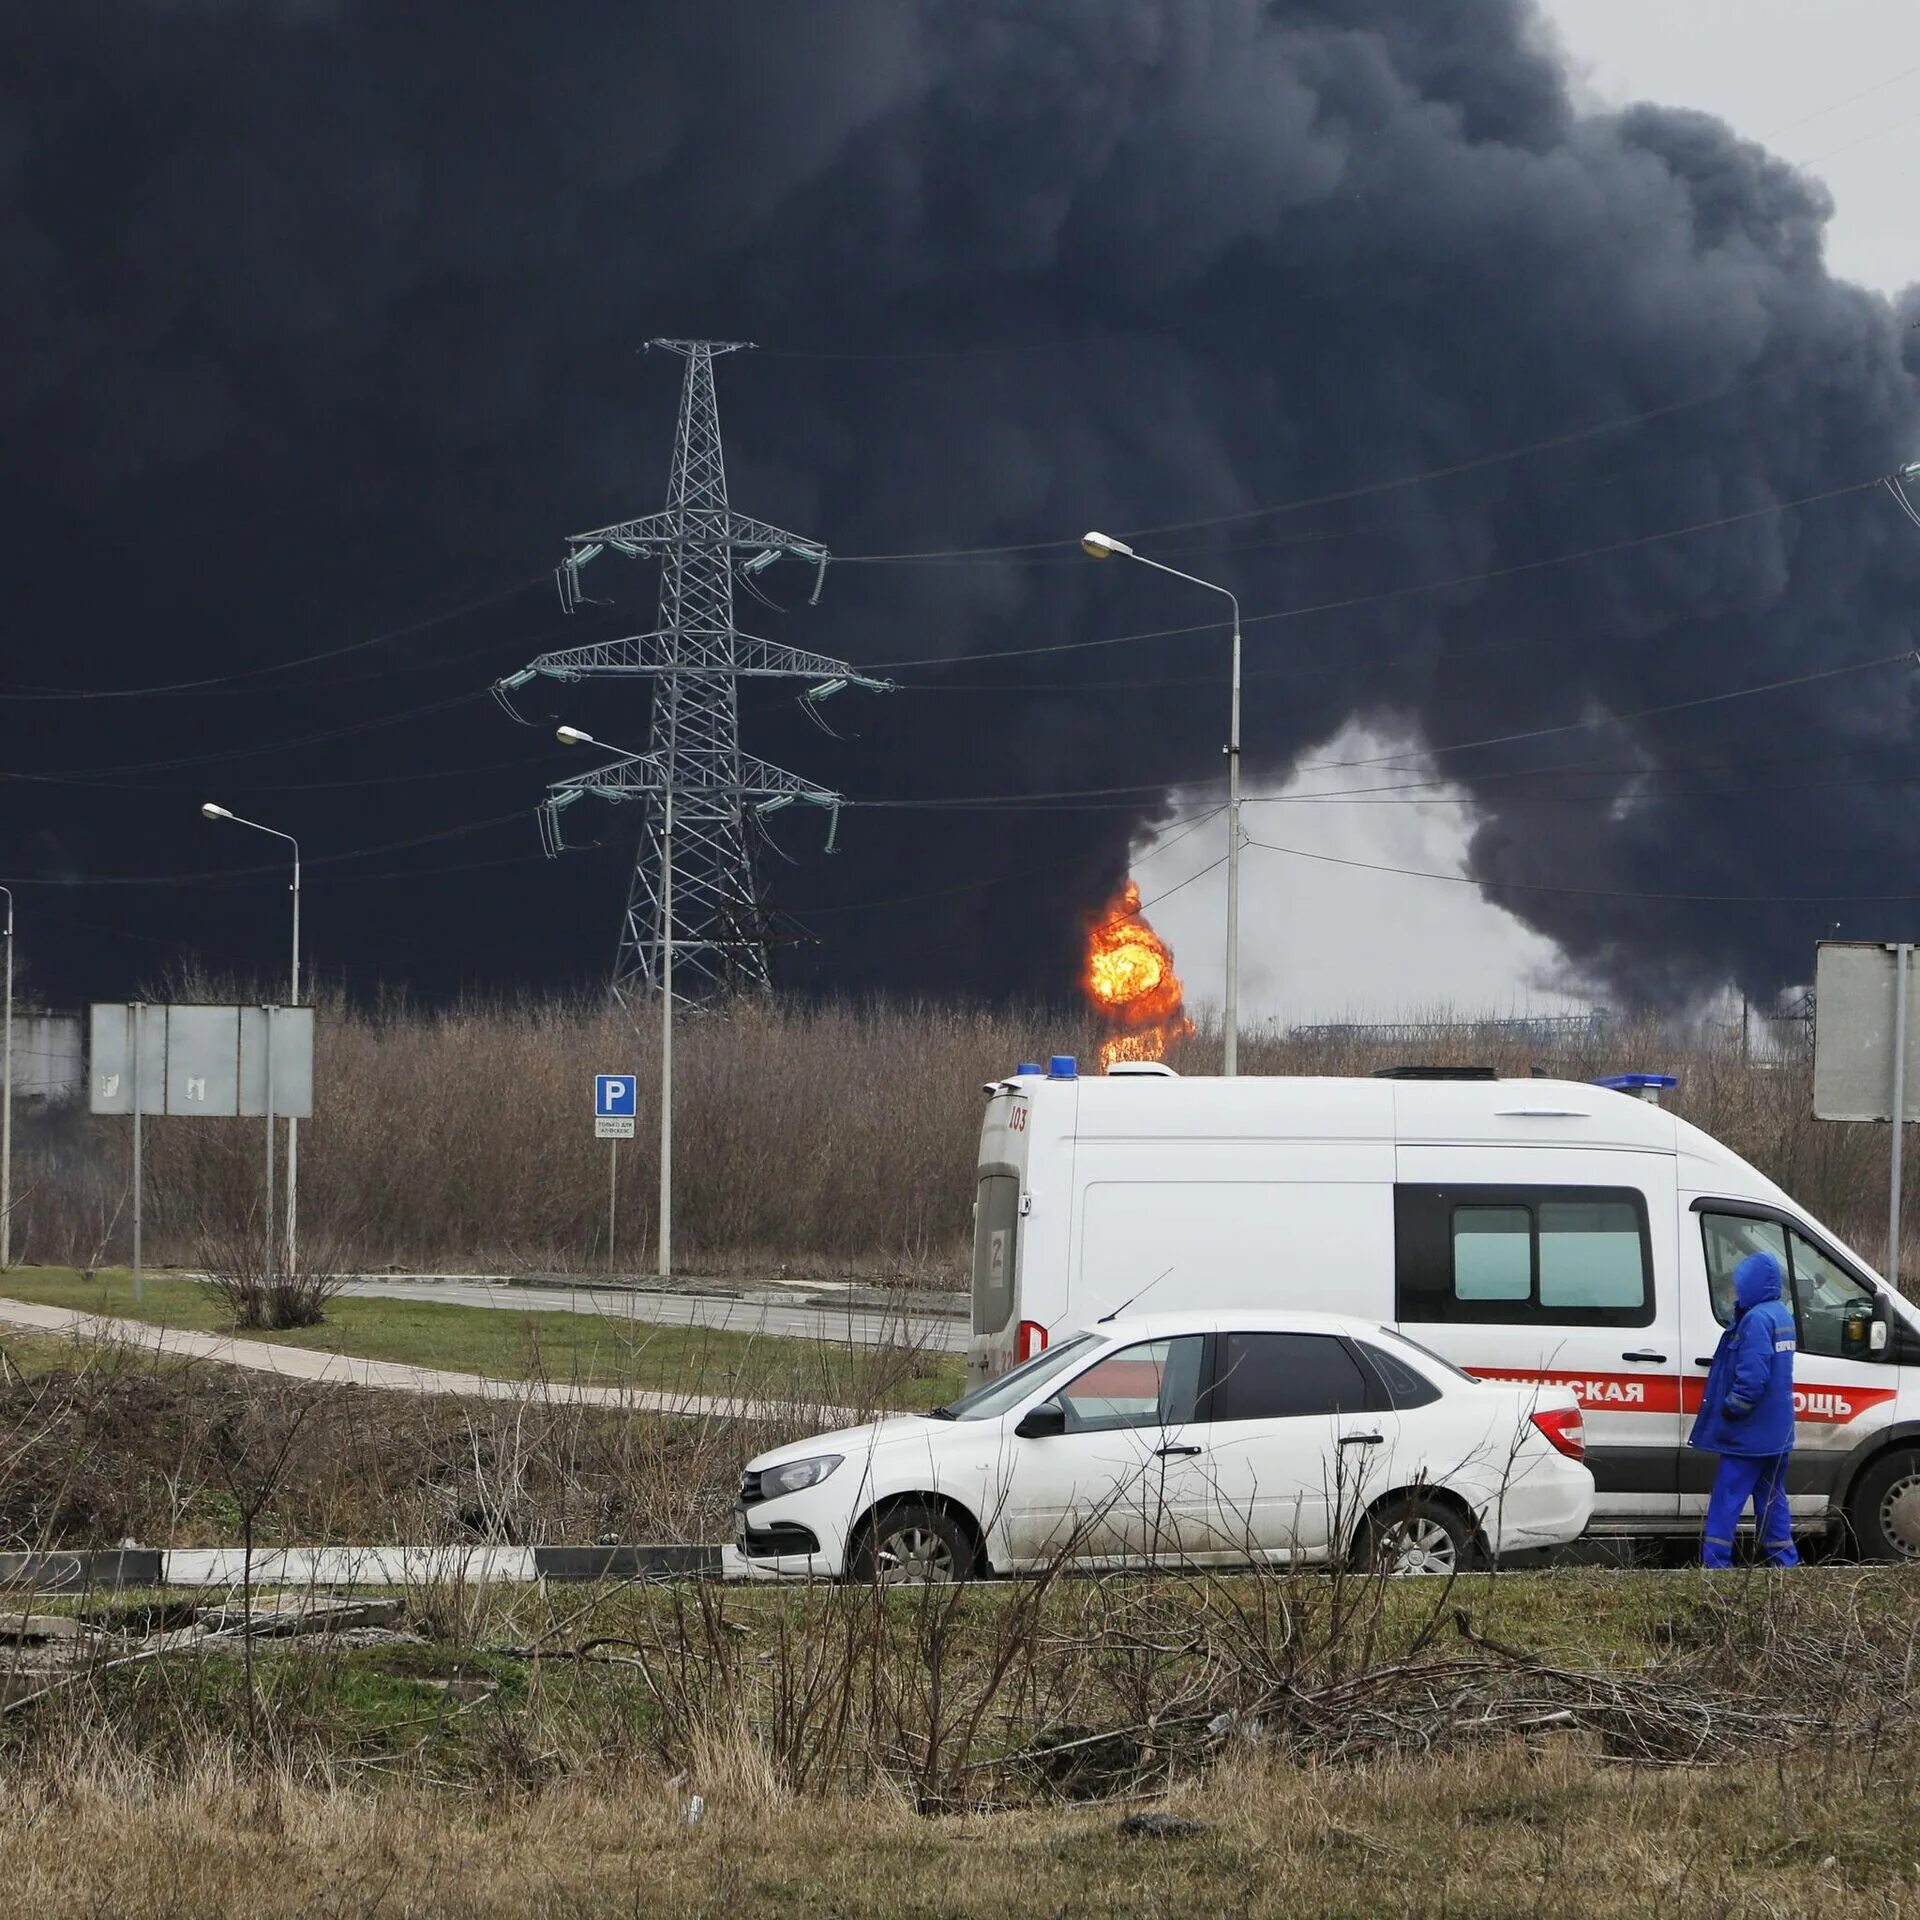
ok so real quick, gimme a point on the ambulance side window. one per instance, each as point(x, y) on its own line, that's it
point(1729, 1238)
point(1836, 1310)
point(1523, 1256)
point(1833, 1308)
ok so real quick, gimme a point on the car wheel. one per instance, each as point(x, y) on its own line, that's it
point(914, 1545)
point(1411, 1534)
point(1884, 1513)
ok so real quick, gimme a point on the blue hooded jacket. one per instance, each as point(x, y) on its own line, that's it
point(1747, 1407)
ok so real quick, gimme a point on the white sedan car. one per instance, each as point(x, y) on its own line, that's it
point(1184, 1439)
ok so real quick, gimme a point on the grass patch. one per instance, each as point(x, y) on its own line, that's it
point(527, 1752)
point(535, 1344)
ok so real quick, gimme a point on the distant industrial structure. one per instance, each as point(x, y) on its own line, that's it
point(1593, 1027)
point(694, 881)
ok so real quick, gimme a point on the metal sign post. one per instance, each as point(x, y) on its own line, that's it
point(1897, 1108)
point(138, 1184)
point(207, 1061)
point(1863, 1031)
point(615, 1098)
point(270, 1221)
point(666, 1029)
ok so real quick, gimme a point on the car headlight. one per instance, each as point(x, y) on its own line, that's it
point(793, 1475)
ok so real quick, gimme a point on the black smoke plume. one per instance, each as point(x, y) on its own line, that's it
point(321, 319)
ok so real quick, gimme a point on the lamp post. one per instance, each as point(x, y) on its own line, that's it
point(6, 1110)
point(214, 812)
point(574, 737)
point(1103, 546)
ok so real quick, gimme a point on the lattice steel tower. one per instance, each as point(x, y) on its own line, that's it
point(696, 659)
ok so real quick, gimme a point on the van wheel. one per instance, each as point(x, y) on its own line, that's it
point(1413, 1534)
point(914, 1545)
point(1884, 1513)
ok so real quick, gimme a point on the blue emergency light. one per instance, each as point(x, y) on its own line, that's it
point(1646, 1086)
point(1027, 1067)
point(1063, 1066)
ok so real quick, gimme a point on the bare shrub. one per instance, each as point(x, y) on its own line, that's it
point(249, 1273)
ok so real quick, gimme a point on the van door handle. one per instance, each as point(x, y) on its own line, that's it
point(1645, 1353)
point(1362, 1439)
point(1173, 1453)
point(1703, 1359)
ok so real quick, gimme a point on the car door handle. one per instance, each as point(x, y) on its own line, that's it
point(1174, 1453)
point(1703, 1359)
point(1362, 1439)
point(1645, 1353)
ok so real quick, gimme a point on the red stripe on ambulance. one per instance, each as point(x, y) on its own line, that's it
point(1666, 1393)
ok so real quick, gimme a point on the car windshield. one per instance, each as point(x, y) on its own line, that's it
point(983, 1403)
point(1427, 1354)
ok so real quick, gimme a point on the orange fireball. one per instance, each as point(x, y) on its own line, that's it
point(1131, 982)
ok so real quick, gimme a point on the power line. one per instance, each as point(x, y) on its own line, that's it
point(1906, 654)
point(1339, 496)
point(1023, 800)
point(971, 353)
point(1597, 893)
point(221, 876)
point(1395, 593)
point(276, 666)
point(1834, 153)
point(1011, 874)
point(80, 776)
point(1820, 113)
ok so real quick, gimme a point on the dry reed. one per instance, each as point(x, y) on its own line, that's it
point(811, 1136)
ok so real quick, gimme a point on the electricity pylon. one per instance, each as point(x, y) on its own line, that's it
point(696, 659)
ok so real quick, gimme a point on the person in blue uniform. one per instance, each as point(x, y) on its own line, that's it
point(1746, 1416)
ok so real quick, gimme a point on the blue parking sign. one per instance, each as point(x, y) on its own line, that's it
point(613, 1096)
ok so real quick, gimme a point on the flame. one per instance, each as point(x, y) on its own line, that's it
point(1130, 980)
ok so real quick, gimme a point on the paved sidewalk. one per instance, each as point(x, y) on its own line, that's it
point(307, 1363)
point(787, 1313)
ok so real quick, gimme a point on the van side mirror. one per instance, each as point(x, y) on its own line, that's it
point(1047, 1421)
point(1879, 1331)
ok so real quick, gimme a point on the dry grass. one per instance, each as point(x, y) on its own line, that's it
point(436, 1778)
point(818, 1137)
point(101, 1443)
point(1512, 1833)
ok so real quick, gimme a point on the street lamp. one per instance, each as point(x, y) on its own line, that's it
point(1103, 546)
point(574, 737)
point(6, 1111)
point(214, 812)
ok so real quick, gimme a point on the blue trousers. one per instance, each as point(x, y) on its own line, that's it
point(1735, 1482)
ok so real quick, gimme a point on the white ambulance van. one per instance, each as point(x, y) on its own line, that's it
point(1524, 1229)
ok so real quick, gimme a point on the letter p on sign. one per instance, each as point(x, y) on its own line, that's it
point(613, 1095)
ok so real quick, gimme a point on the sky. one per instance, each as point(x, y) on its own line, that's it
point(1536, 414)
point(1835, 88)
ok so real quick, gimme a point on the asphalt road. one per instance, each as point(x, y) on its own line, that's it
point(748, 1312)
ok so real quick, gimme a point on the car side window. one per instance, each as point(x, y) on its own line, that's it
point(1279, 1376)
point(1153, 1384)
point(1405, 1386)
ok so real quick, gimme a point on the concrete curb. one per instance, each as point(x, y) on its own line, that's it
point(81, 1572)
point(347, 1568)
